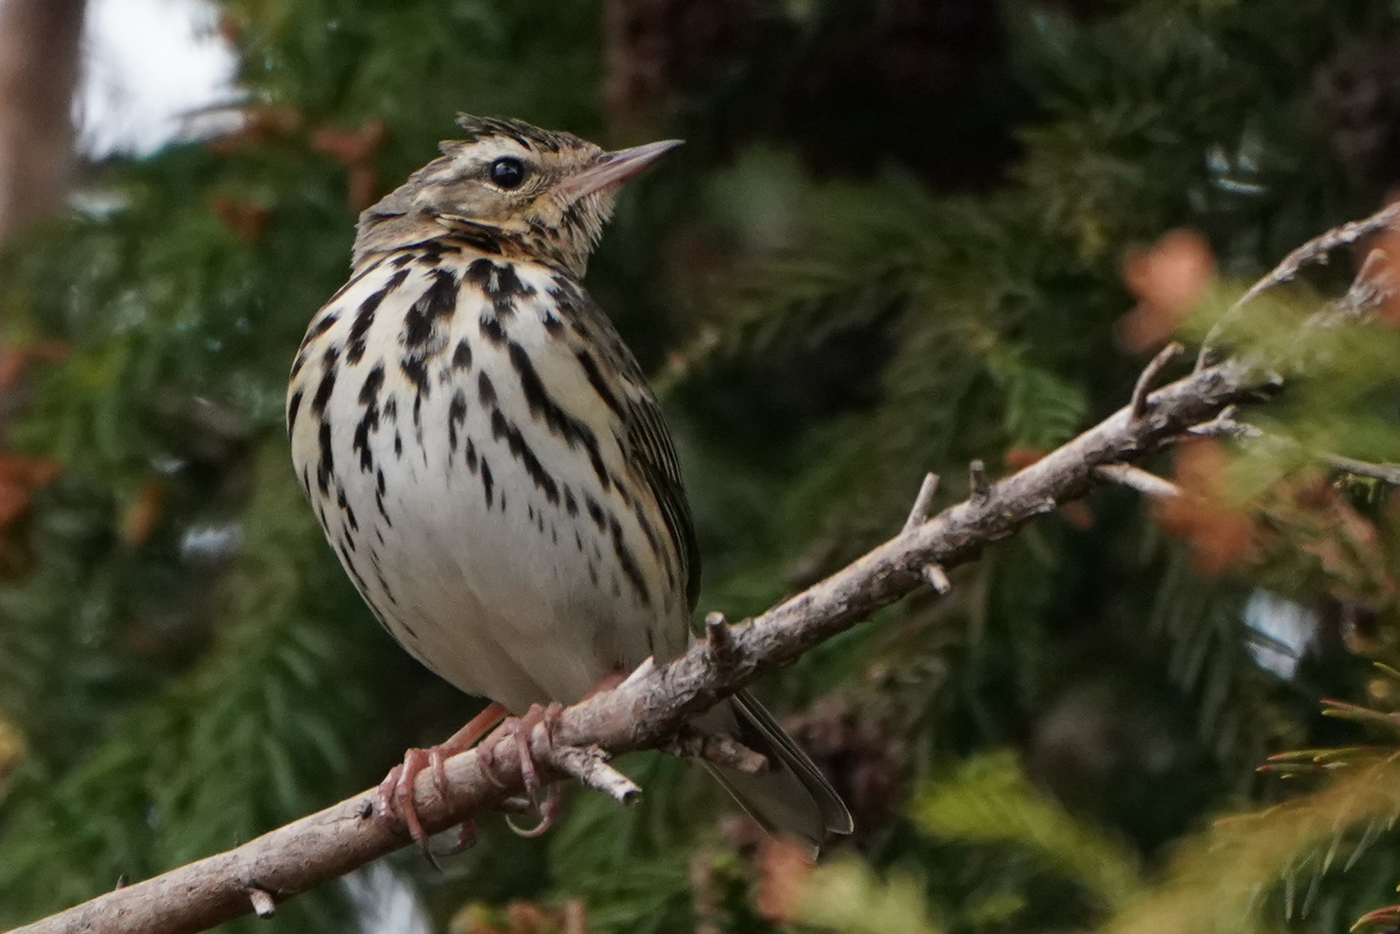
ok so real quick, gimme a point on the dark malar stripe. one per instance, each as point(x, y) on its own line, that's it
point(364, 318)
point(478, 238)
point(432, 252)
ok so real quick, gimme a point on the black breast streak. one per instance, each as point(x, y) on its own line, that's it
point(501, 428)
point(354, 571)
point(384, 586)
point(462, 356)
point(431, 253)
point(319, 327)
point(456, 415)
point(561, 423)
point(653, 541)
point(364, 318)
point(379, 501)
point(293, 407)
point(600, 386)
point(595, 512)
point(329, 368)
point(471, 456)
point(326, 467)
point(369, 421)
point(500, 283)
point(485, 390)
point(487, 482)
point(436, 304)
point(491, 329)
point(422, 337)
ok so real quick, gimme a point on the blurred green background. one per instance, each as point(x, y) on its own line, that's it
point(894, 241)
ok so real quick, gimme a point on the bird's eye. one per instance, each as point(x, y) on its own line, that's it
point(507, 172)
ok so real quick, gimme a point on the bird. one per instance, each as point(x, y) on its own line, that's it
point(490, 465)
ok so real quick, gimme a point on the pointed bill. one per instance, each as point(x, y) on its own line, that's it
point(613, 168)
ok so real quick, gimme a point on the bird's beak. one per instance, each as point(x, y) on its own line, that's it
point(613, 168)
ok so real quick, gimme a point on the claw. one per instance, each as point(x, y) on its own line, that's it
point(548, 809)
point(395, 797)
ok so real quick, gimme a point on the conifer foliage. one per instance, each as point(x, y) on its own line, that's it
point(904, 234)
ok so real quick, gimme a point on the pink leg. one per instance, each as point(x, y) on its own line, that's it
point(396, 791)
point(548, 808)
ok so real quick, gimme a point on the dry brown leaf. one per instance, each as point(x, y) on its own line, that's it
point(783, 868)
point(1220, 534)
point(1168, 279)
point(142, 513)
point(245, 218)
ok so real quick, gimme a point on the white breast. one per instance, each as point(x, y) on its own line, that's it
point(498, 534)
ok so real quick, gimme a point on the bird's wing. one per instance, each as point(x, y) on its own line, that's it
point(650, 449)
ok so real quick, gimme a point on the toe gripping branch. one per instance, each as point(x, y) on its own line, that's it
point(541, 759)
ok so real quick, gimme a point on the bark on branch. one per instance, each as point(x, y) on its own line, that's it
point(650, 709)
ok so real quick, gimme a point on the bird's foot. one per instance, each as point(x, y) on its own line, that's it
point(519, 731)
point(396, 797)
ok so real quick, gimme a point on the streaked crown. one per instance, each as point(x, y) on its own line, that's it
point(542, 193)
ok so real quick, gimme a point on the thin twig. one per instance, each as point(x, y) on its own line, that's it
point(264, 905)
point(977, 479)
point(1386, 473)
point(918, 513)
point(590, 766)
point(1316, 250)
point(1224, 425)
point(692, 742)
point(1150, 376)
point(721, 646)
point(937, 578)
point(1149, 484)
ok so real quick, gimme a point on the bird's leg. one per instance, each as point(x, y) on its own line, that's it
point(546, 719)
point(396, 791)
point(461, 741)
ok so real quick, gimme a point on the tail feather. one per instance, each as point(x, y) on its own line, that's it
point(791, 797)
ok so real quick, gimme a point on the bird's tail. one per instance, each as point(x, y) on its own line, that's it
point(791, 797)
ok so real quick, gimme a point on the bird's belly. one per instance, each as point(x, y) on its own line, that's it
point(492, 584)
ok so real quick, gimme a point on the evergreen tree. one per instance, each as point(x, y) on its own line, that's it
point(895, 242)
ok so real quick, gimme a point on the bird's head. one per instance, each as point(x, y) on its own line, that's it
point(548, 192)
